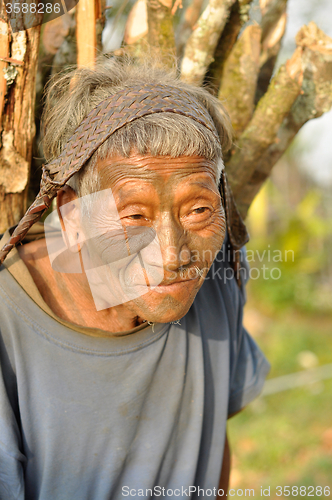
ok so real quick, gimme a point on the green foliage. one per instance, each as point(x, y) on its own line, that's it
point(302, 239)
point(285, 439)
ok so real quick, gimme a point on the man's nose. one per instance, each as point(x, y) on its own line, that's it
point(173, 245)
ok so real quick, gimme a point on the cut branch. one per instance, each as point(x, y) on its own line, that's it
point(137, 23)
point(272, 11)
point(314, 100)
point(238, 86)
point(100, 22)
point(268, 117)
point(4, 53)
point(86, 35)
point(161, 33)
point(203, 41)
point(186, 25)
point(17, 124)
point(273, 29)
point(238, 16)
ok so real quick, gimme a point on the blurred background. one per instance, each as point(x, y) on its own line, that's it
point(285, 436)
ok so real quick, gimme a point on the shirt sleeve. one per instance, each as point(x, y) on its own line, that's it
point(248, 365)
point(11, 458)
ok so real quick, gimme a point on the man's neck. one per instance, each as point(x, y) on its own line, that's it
point(69, 295)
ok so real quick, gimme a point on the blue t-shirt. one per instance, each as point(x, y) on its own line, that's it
point(85, 417)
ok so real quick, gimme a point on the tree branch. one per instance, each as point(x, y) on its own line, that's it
point(186, 26)
point(314, 100)
point(86, 32)
point(100, 22)
point(240, 73)
point(262, 129)
point(273, 26)
point(161, 33)
point(17, 126)
point(237, 17)
point(202, 43)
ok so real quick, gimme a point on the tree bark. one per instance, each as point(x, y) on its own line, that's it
point(238, 16)
point(100, 23)
point(273, 26)
point(86, 35)
point(187, 24)
point(17, 97)
point(203, 41)
point(161, 34)
point(261, 132)
point(314, 100)
point(240, 73)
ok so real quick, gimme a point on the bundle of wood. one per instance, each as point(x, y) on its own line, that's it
point(216, 43)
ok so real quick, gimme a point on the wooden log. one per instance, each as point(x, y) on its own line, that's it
point(187, 24)
point(17, 126)
point(237, 17)
point(137, 23)
point(66, 55)
point(4, 54)
point(203, 41)
point(160, 31)
point(238, 85)
point(273, 25)
point(314, 99)
point(272, 11)
point(100, 23)
point(261, 132)
point(86, 36)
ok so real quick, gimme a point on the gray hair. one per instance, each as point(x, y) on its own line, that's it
point(71, 97)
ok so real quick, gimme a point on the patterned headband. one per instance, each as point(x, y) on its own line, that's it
point(106, 118)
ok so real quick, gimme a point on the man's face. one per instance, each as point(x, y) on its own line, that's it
point(178, 200)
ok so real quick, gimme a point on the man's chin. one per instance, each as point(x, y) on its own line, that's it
point(163, 310)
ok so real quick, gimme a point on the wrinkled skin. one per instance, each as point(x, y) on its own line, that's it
point(179, 199)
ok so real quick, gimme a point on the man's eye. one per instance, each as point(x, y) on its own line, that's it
point(200, 210)
point(135, 216)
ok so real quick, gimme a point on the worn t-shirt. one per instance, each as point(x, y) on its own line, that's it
point(140, 415)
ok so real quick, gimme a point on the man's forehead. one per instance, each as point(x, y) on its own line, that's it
point(116, 169)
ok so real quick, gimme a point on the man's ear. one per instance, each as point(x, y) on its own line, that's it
point(68, 208)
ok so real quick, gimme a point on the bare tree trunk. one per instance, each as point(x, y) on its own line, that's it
point(161, 33)
point(241, 72)
point(19, 52)
point(100, 22)
point(203, 41)
point(273, 26)
point(261, 132)
point(237, 17)
point(86, 32)
point(186, 26)
point(314, 100)
point(90, 21)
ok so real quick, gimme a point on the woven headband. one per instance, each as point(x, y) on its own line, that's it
point(106, 118)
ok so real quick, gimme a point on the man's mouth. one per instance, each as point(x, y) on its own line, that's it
point(179, 280)
point(186, 276)
point(176, 285)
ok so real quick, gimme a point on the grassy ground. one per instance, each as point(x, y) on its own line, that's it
point(285, 439)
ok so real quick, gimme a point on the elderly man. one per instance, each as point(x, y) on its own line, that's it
point(122, 349)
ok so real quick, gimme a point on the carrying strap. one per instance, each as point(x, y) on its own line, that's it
point(237, 231)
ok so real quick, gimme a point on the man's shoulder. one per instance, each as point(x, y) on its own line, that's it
point(7, 281)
